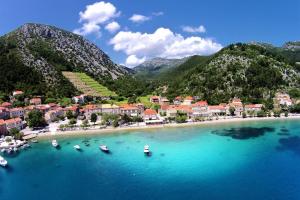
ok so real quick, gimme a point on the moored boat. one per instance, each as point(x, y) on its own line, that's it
point(3, 162)
point(55, 143)
point(77, 147)
point(104, 148)
point(146, 149)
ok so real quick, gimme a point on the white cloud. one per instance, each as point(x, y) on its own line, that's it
point(162, 43)
point(136, 18)
point(190, 29)
point(132, 60)
point(94, 16)
point(112, 27)
point(160, 13)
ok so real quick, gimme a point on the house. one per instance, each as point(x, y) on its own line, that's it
point(3, 129)
point(6, 105)
point(17, 112)
point(178, 100)
point(130, 110)
point(164, 101)
point(17, 92)
point(283, 99)
point(79, 99)
point(91, 108)
point(237, 104)
point(188, 100)
point(150, 114)
point(217, 110)
point(4, 113)
point(253, 108)
point(200, 109)
point(35, 101)
point(155, 99)
point(14, 123)
point(52, 115)
point(110, 108)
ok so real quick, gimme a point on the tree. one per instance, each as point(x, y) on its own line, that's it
point(295, 108)
point(181, 117)
point(231, 111)
point(36, 119)
point(72, 121)
point(244, 115)
point(69, 114)
point(261, 113)
point(137, 119)
point(85, 124)
point(16, 133)
point(94, 117)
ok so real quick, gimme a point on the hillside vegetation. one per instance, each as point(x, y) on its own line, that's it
point(87, 85)
point(250, 72)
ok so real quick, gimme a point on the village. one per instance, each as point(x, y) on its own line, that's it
point(84, 115)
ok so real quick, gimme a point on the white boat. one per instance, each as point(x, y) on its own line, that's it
point(34, 141)
point(3, 162)
point(77, 147)
point(3, 150)
point(146, 149)
point(104, 148)
point(55, 143)
point(15, 149)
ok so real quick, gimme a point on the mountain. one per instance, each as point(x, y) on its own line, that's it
point(43, 52)
point(249, 71)
point(153, 67)
point(289, 51)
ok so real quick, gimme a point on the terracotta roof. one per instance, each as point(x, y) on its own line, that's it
point(189, 98)
point(154, 97)
point(128, 107)
point(6, 104)
point(217, 107)
point(2, 122)
point(14, 120)
point(201, 103)
point(184, 108)
point(17, 109)
point(17, 92)
point(178, 98)
point(150, 112)
point(253, 106)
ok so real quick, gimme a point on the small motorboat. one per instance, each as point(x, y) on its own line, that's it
point(15, 149)
point(146, 149)
point(104, 148)
point(34, 141)
point(3, 150)
point(77, 147)
point(3, 162)
point(55, 143)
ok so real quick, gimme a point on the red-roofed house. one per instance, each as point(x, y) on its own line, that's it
point(35, 101)
point(3, 129)
point(238, 106)
point(4, 113)
point(17, 92)
point(155, 99)
point(164, 101)
point(283, 99)
point(79, 99)
point(6, 105)
point(187, 100)
point(91, 108)
point(217, 110)
point(253, 107)
point(150, 114)
point(52, 115)
point(177, 100)
point(130, 110)
point(14, 123)
point(16, 112)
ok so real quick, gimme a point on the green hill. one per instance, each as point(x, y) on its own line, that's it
point(250, 72)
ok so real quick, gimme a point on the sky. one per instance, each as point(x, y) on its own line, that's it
point(132, 31)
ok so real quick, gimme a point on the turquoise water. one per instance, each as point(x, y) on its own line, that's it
point(206, 162)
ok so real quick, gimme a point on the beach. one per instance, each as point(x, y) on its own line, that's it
point(172, 125)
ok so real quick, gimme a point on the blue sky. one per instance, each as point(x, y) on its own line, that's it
point(165, 28)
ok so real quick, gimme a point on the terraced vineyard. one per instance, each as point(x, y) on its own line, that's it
point(88, 85)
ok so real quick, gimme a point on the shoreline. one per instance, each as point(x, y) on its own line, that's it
point(73, 133)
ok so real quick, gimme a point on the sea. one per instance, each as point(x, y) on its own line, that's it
point(250, 160)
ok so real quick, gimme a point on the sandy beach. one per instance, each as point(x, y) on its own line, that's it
point(133, 128)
